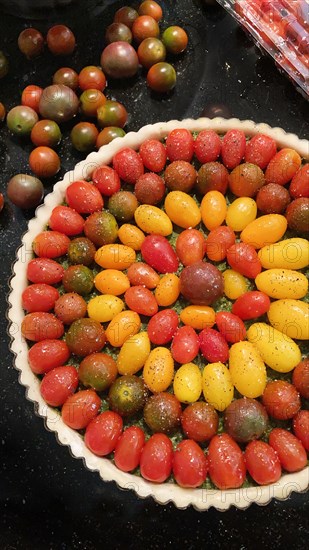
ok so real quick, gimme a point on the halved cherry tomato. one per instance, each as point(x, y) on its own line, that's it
point(47, 355)
point(84, 197)
point(141, 300)
point(58, 384)
point(262, 462)
point(231, 326)
point(290, 450)
point(44, 270)
point(251, 304)
point(243, 258)
point(162, 327)
point(80, 408)
point(66, 220)
point(156, 458)
point(103, 432)
point(50, 244)
point(129, 449)
point(189, 464)
point(227, 469)
point(185, 345)
point(41, 326)
point(39, 297)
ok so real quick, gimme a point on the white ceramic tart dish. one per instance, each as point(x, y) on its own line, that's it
point(200, 499)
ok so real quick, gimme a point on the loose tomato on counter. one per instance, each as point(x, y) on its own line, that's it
point(58, 384)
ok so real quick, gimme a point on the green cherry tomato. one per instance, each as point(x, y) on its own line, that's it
point(161, 77)
point(108, 134)
point(46, 132)
point(90, 100)
point(21, 119)
point(84, 136)
point(175, 39)
point(112, 113)
point(150, 52)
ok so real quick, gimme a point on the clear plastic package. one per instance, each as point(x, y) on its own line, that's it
point(281, 27)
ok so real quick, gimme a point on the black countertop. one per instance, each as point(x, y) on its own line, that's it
point(48, 500)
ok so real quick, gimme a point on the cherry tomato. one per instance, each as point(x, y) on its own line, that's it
point(30, 42)
point(119, 60)
point(78, 278)
point(129, 449)
point(130, 235)
point(242, 257)
point(91, 77)
point(189, 464)
point(260, 149)
point(240, 213)
point(300, 183)
point(150, 52)
point(301, 378)
point(290, 450)
point(46, 132)
point(158, 253)
point(118, 32)
point(141, 300)
point(297, 215)
point(227, 469)
point(50, 244)
point(233, 148)
point(70, 307)
point(212, 176)
point(123, 205)
point(40, 325)
point(58, 384)
point(201, 283)
point(198, 317)
point(128, 165)
point(162, 412)
point(272, 198)
point(1, 202)
point(162, 327)
point(251, 304)
point(44, 270)
point(180, 175)
point(25, 191)
point(66, 76)
point(149, 189)
point(44, 162)
point(31, 97)
point(85, 336)
point(156, 458)
point(59, 103)
point(39, 297)
point(175, 39)
point(143, 27)
point(185, 345)
point(161, 77)
point(108, 134)
point(200, 421)
point(2, 112)
point(90, 101)
point(126, 15)
point(149, 7)
point(246, 179)
point(180, 145)
point(213, 346)
point(218, 242)
point(231, 326)
point(66, 220)
point(190, 246)
point(81, 251)
point(140, 273)
point(84, 136)
point(103, 432)
point(60, 40)
point(84, 197)
point(262, 462)
point(281, 399)
point(301, 427)
point(106, 180)
point(47, 355)
point(80, 408)
point(283, 166)
point(153, 155)
point(21, 119)
point(213, 209)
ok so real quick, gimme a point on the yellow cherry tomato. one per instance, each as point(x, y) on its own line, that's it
point(182, 209)
point(247, 369)
point(278, 351)
point(213, 209)
point(111, 281)
point(288, 254)
point(121, 327)
point(290, 317)
point(282, 283)
point(188, 383)
point(104, 308)
point(198, 317)
point(152, 219)
point(235, 284)
point(264, 230)
point(130, 235)
point(168, 290)
point(218, 388)
point(115, 256)
point(133, 353)
point(158, 371)
point(240, 213)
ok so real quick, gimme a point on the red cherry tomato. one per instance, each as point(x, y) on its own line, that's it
point(103, 432)
point(283, 166)
point(156, 458)
point(301, 378)
point(91, 77)
point(185, 345)
point(290, 450)
point(162, 327)
point(301, 427)
point(260, 149)
point(231, 326)
point(128, 165)
point(44, 162)
point(251, 304)
point(60, 40)
point(189, 464)
point(233, 148)
point(207, 146)
point(79, 409)
point(190, 246)
point(281, 399)
point(140, 273)
point(31, 96)
point(84, 197)
point(106, 180)
point(41, 326)
point(66, 220)
point(159, 254)
point(39, 297)
point(300, 183)
point(180, 145)
point(218, 242)
point(129, 449)
point(141, 300)
point(213, 345)
point(243, 258)
point(262, 462)
point(227, 469)
point(199, 421)
point(47, 355)
point(44, 270)
point(50, 244)
point(58, 384)
point(153, 155)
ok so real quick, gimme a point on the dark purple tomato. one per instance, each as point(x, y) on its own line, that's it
point(119, 60)
point(98, 371)
point(161, 77)
point(297, 214)
point(85, 336)
point(159, 254)
point(199, 421)
point(118, 32)
point(60, 40)
point(123, 205)
point(112, 113)
point(81, 251)
point(46, 132)
point(58, 102)
point(101, 228)
point(175, 39)
point(25, 191)
point(90, 101)
point(108, 134)
point(162, 413)
point(66, 76)
point(245, 419)
point(149, 188)
point(272, 198)
point(21, 119)
point(84, 136)
point(150, 52)
point(31, 42)
point(69, 307)
point(201, 283)
point(126, 15)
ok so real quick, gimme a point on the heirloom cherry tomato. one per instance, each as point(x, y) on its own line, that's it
point(133, 353)
point(282, 283)
point(81, 251)
point(104, 308)
point(91, 77)
point(118, 32)
point(187, 384)
point(198, 317)
point(233, 148)
point(149, 7)
point(46, 132)
point(175, 39)
point(240, 213)
point(58, 384)
point(207, 146)
point(31, 97)
point(156, 458)
point(128, 165)
point(161, 77)
point(140, 273)
point(66, 220)
point(85, 336)
point(199, 421)
point(247, 369)
point(189, 464)
point(158, 253)
point(158, 370)
point(218, 242)
point(126, 15)
point(60, 40)
point(2, 112)
point(30, 42)
point(119, 60)
point(260, 149)
point(290, 450)
point(103, 432)
point(124, 325)
point(185, 345)
point(78, 278)
point(264, 230)
point(47, 355)
point(251, 304)
point(123, 205)
point(108, 134)
point(234, 284)
point(112, 113)
point(150, 52)
point(190, 246)
point(231, 326)
point(180, 175)
point(106, 180)
point(115, 256)
point(44, 270)
point(297, 215)
point(218, 388)
point(300, 183)
point(128, 449)
point(290, 317)
point(301, 427)
point(66, 76)
point(143, 27)
point(84, 136)
point(167, 290)
point(149, 189)
point(97, 371)
point(111, 281)
point(213, 209)
point(201, 283)
point(180, 145)
point(301, 378)
point(21, 119)
point(40, 325)
point(281, 400)
point(213, 346)
point(44, 162)
point(246, 179)
point(227, 468)
point(283, 166)
point(39, 297)
point(242, 257)
point(287, 254)
point(101, 228)
point(272, 198)
point(245, 419)
point(162, 412)
point(182, 209)
point(84, 197)
point(127, 395)
point(59, 103)
point(70, 307)
point(141, 300)
point(212, 176)
point(153, 155)
point(262, 463)
point(162, 327)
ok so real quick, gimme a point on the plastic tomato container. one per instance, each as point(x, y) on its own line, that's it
point(281, 27)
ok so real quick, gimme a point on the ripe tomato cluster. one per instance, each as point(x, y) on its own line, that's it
point(166, 311)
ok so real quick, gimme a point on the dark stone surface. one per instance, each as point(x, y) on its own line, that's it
point(48, 500)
